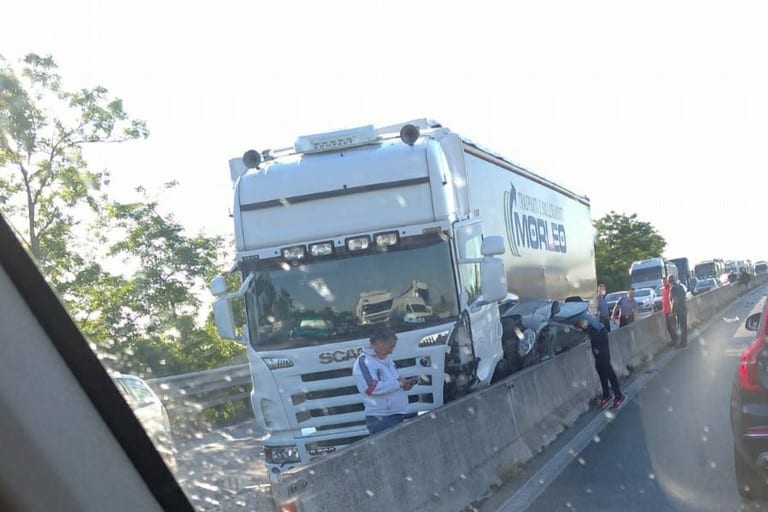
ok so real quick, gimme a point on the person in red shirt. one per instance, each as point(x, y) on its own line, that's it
point(666, 309)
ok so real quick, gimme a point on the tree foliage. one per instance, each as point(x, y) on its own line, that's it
point(147, 317)
point(620, 240)
point(43, 128)
point(161, 301)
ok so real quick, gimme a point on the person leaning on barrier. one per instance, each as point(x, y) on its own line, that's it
point(569, 313)
point(377, 378)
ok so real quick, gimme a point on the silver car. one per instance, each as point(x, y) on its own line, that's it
point(150, 411)
point(645, 298)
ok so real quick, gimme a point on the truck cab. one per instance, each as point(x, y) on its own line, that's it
point(406, 226)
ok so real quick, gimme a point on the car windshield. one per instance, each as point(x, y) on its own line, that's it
point(351, 256)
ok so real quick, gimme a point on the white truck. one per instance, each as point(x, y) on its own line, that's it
point(343, 214)
point(649, 273)
point(374, 307)
point(412, 306)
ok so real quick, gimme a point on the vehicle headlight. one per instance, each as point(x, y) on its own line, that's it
point(281, 454)
point(438, 338)
point(527, 340)
point(275, 363)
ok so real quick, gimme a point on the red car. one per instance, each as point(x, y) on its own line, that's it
point(749, 412)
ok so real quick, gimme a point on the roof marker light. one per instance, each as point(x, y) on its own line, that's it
point(360, 243)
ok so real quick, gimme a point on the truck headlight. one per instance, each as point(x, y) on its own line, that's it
point(281, 454)
point(275, 363)
point(439, 338)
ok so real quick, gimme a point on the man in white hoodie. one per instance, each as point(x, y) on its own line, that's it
point(377, 378)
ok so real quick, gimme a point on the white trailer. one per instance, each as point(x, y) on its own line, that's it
point(348, 215)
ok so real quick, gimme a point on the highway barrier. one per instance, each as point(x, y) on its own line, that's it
point(452, 457)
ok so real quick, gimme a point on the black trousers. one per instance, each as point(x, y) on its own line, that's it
point(625, 320)
point(606, 321)
point(607, 376)
point(682, 322)
point(602, 352)
point(672, 326)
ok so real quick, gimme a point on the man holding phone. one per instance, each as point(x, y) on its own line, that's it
point(377, 378)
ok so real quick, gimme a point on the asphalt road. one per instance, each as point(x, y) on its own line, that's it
point(668, 448)
point(224, 470)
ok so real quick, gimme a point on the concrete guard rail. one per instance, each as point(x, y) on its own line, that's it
point(203, 389)
point(452, 457)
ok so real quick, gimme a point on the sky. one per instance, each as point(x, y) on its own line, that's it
point(656, 108)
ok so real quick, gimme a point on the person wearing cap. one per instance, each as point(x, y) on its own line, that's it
point(679, 310)
point(377, 379)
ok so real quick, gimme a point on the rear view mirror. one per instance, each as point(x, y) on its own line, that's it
point(492, 246)
point(752, 322)
point(493, 280)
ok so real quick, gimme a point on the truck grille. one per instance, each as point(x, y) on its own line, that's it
point(329, 399)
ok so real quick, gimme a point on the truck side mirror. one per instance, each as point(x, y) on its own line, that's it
point(492, 246)
point(218, 286)
point(225, 319)
point(222, 308)
point(493, 280)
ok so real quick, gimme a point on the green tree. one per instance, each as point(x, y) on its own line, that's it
point(44, 178)
point(146, 318)
point(620, 240)
point(157, 318)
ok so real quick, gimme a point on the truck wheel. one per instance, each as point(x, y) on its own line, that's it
point(751, 484)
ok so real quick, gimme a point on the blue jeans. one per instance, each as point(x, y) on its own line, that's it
point(376, 424)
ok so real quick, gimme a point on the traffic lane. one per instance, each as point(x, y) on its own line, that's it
point(671, 447)
point(224, 469)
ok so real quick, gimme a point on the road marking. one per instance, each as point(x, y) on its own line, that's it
point(537, 484)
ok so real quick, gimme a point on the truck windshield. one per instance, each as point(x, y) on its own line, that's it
point(705, 270)
point(339, 299)
point(646, 274)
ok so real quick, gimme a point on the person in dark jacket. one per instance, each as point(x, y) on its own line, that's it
point(679, 310)
point(603, 311)
point(598, 337)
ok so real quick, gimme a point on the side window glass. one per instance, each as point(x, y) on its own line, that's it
point(470, 272)
point(141, 395)
point(565, 339)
